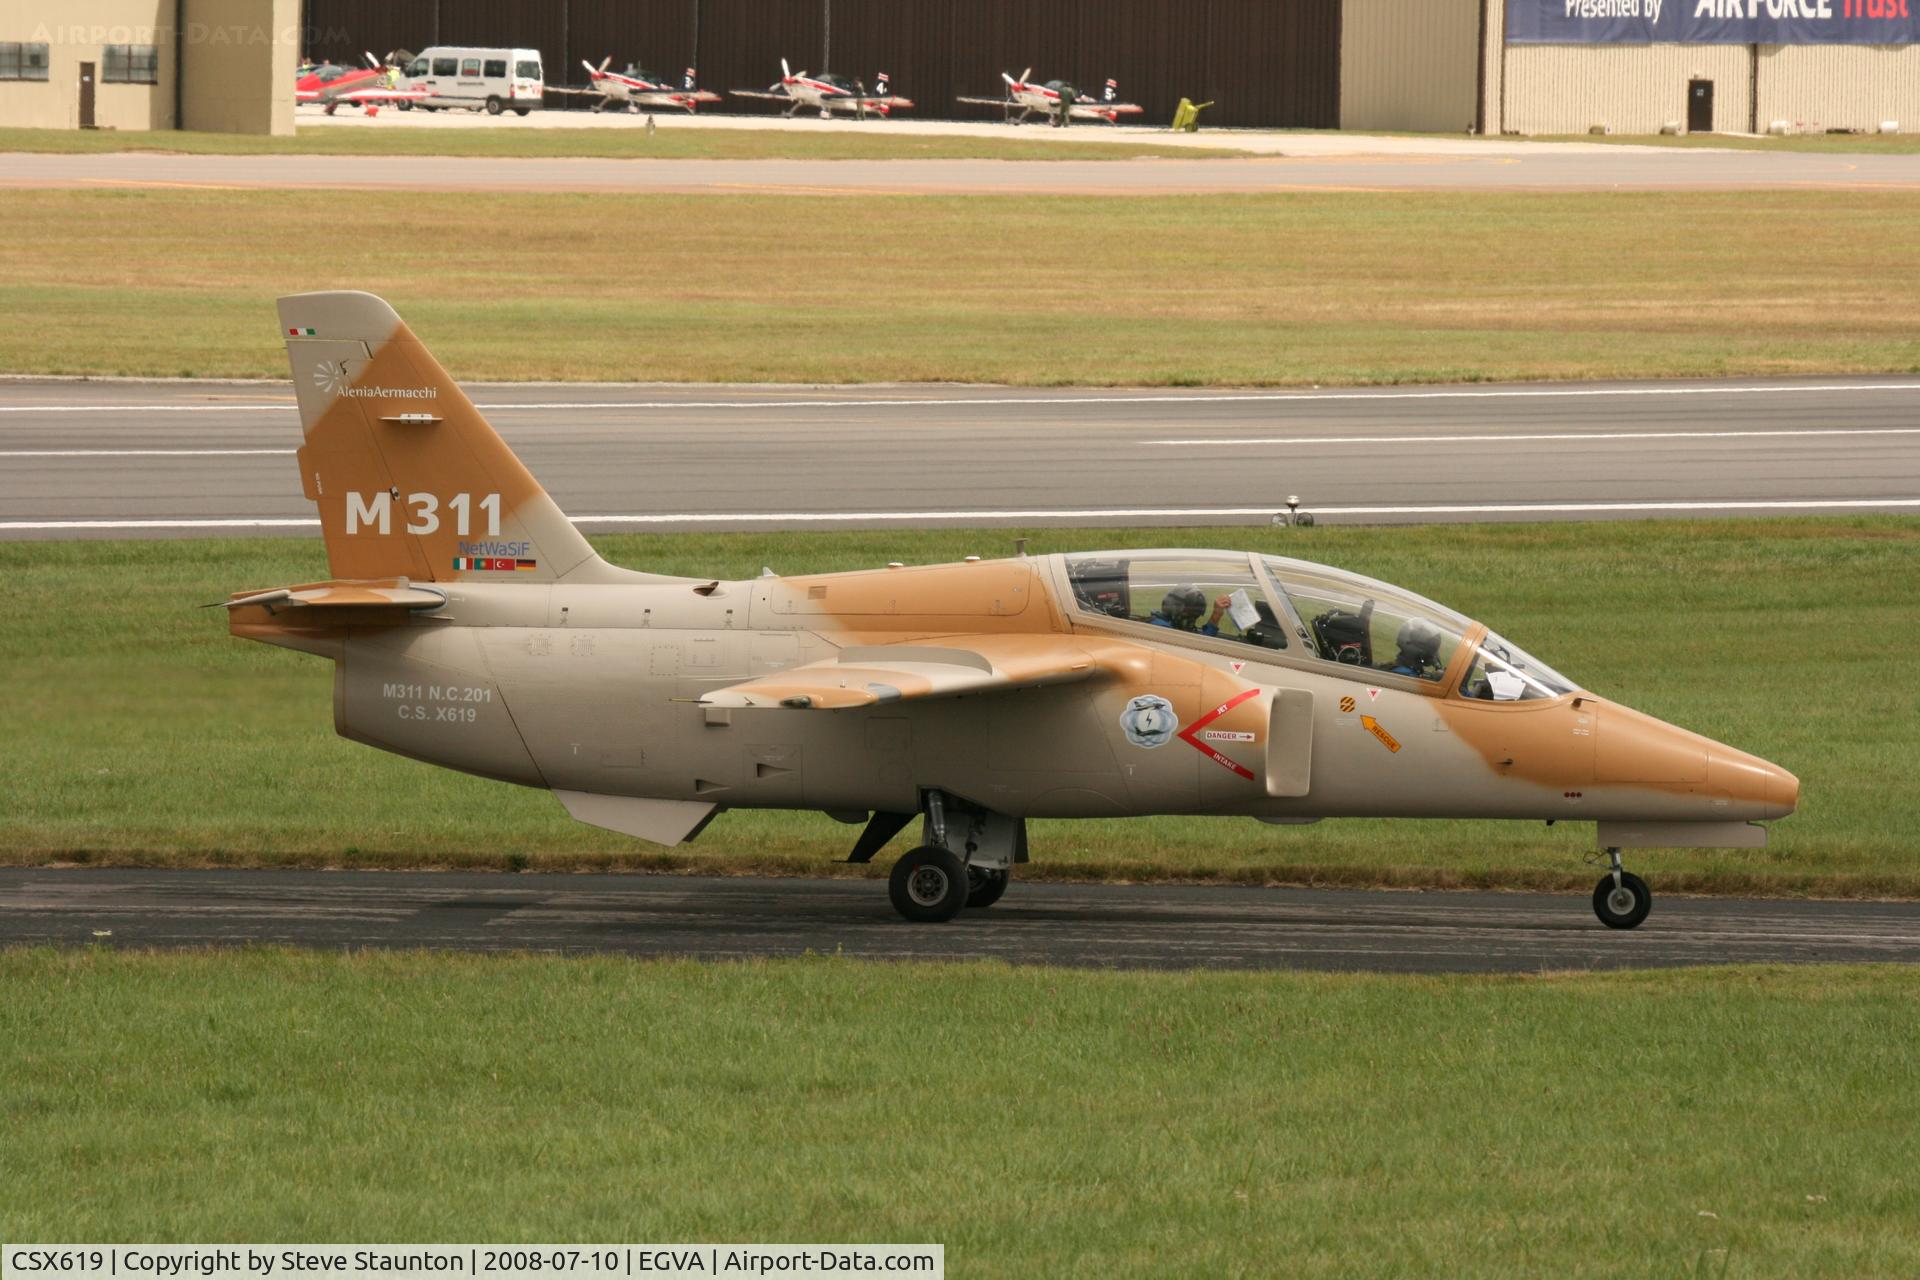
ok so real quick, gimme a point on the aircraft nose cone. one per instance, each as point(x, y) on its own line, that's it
point(1783, 790)
point(1758, 788)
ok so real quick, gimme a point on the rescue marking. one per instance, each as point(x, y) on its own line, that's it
point(1190, 734)
point(1387, 740)
point(1373, 695)
point(1347, 704)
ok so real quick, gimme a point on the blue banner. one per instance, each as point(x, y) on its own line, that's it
point(1713, 21)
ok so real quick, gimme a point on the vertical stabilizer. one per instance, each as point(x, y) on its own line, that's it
point(410, 480)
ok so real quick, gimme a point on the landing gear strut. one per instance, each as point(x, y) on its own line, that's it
point(965, 857)
point(1621, 899)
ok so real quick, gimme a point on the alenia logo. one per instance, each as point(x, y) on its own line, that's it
point(403, 393)
point(332, 377)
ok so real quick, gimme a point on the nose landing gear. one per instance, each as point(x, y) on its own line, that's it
point(1621, 899)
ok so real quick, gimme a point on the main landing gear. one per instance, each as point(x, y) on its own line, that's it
point(965, 858)
point(1621, 899)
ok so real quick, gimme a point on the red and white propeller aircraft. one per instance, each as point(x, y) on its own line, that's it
point(1058, 100)
point(829, 92)
point(637, 88)
point(370, 87)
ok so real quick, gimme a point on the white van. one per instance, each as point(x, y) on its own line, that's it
point(493, 80)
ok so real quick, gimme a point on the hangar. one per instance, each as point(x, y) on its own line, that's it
point(225, 66)
point(1491, 66)
point(1630, 66)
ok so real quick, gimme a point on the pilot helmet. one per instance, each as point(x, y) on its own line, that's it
point(1419, 643)
point(1183, 605)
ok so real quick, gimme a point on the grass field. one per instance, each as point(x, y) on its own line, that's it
point(139, 732)
point(1331, 288)
point(1744, 1122)
point(667, 143)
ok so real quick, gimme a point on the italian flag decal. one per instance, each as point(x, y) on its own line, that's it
point(493, 563)
point(300, 333)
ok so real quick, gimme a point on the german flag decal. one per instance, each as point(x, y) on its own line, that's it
point(493, 563)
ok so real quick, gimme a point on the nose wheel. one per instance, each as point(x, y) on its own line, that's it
point(1621, 899)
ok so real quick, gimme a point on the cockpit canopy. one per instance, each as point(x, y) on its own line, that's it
point(1305, 610)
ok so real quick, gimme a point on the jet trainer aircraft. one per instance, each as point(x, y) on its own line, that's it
point(637, 88)
point(1057, 100)
point(472, 626)
point(828, 93)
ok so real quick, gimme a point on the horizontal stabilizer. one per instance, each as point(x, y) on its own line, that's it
point(342, 595)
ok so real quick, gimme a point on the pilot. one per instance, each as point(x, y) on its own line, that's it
point(1182, 607)
point(1419, 651)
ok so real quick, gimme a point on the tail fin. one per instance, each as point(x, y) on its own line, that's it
point(410, 480)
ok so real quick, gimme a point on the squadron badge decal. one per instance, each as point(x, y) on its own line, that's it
point(1149, 721)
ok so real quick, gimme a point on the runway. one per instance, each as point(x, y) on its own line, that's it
point(156, 459)
point(1090, 926)
point(1550, 169)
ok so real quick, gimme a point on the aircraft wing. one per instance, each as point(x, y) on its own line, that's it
point(380, 95)
point(989, 102)
point(673, 97)
point(866, 675)
point(1103, 110)
point(761, 93)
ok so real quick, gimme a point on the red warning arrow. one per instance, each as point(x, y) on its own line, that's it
point(1191, 734)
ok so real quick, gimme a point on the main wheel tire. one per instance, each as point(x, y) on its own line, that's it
point(494, 106)
point(1623, 906)
point(985, 886)
point(522, 111)
point(928, 885)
